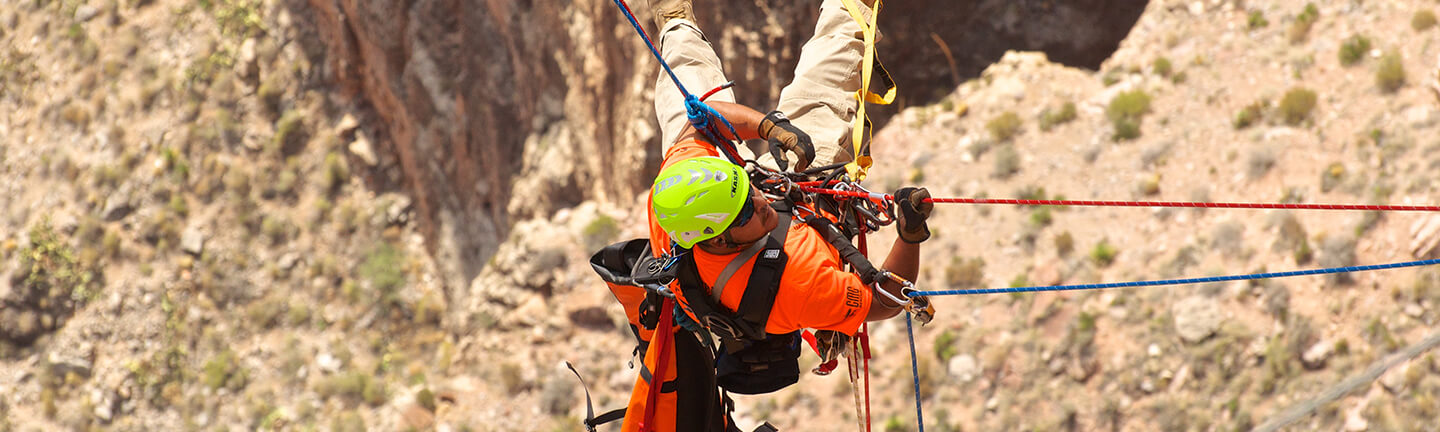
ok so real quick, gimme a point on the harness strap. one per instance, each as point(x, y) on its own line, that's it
point(733, 267)
point(591, 420)
point(664, 338)
point(666, 387)
point(868, 66)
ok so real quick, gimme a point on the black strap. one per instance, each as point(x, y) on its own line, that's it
point(847, 251)
point(612, 415)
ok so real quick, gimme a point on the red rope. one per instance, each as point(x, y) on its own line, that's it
point(863, 337)
point(1099, 203)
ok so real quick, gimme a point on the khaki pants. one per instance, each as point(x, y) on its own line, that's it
point(820, 101)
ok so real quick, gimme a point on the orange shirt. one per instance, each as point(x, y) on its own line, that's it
point(815, 292)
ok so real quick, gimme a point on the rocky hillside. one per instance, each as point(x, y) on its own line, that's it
point(343, 215)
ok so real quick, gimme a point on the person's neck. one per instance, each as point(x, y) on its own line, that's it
point(722, 250)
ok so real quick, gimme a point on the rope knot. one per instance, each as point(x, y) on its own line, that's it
point(697, 112)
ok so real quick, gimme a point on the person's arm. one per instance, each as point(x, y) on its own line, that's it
point(904, 261)
point(746, 121)
point(911, 210)
point(751, 124)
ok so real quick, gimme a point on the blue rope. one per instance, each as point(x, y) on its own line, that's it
point(699, 114)
point(1178, 281)
point(914, 370)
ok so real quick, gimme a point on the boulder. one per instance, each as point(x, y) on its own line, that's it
point(1315, 356)
point(964, 367)
point(192, 241)
point(1196, 318)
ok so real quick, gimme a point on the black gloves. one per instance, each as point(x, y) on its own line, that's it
point(785, 136)
point(911, 210)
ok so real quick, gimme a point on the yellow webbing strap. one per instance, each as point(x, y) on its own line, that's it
point(859, 131)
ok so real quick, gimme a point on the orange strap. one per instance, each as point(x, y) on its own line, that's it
point(663, 335)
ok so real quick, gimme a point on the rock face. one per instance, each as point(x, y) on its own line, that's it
point(502, 110)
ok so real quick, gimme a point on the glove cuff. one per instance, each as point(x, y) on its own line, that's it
point(916, 236)
point(767, 125)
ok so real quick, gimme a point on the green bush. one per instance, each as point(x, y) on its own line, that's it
point(1250, 115)
point(1256, 20)
point(1300, 29)
point(223, 371)
point(600, 231)
point(354, 385)
point(945, 346)
point(1007, 161)
point(1041, 217)
point(50, 266)
point(337, 171)
point(1126, 111)
point(1104, 253)
point(1004, 127)
point(290, 134)
point(1162, 67)
point(1353, 49)
point(1423, 20)
point(965, 272)
point(1297, 104)
point(1051, 118)
point(383, 267)
point(1390, 76)
point(1064, 243)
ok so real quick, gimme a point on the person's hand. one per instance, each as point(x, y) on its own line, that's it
point(785, 137)
point(911, 210)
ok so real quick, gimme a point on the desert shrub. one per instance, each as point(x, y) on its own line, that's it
point(1300, 29)
point(1259, 162)
point(1064, 243)
point(945, 346)
point(1125, 113)
point(49, 267)
point(1149, 185)
point(1333, 175)
point(1422, 20)
point(1103, 254)
point(1297, 104)
point(1291, 237)
point(965, 272)
point(1007, 161)
point(383, 269)
point(1250, 115)
point(290, 134)
point(600, 231)
point(1353, 49)
point(1337, 251)
point(355, 385)
point(1390, 75)
point(348, 421)
point(276, 229)
point(1041, 217)
point(224, 371)
point(1256, 20)
point(1162, 67)
point(1004, 127)
point(1051, 118)
point(1228, 238)
point(337, 172)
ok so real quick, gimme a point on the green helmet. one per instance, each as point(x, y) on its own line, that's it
point(696, 199)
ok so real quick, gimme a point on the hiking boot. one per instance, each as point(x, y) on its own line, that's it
point(666, 10)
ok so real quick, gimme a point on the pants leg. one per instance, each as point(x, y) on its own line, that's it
point(693, 60)
point(821, 99)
